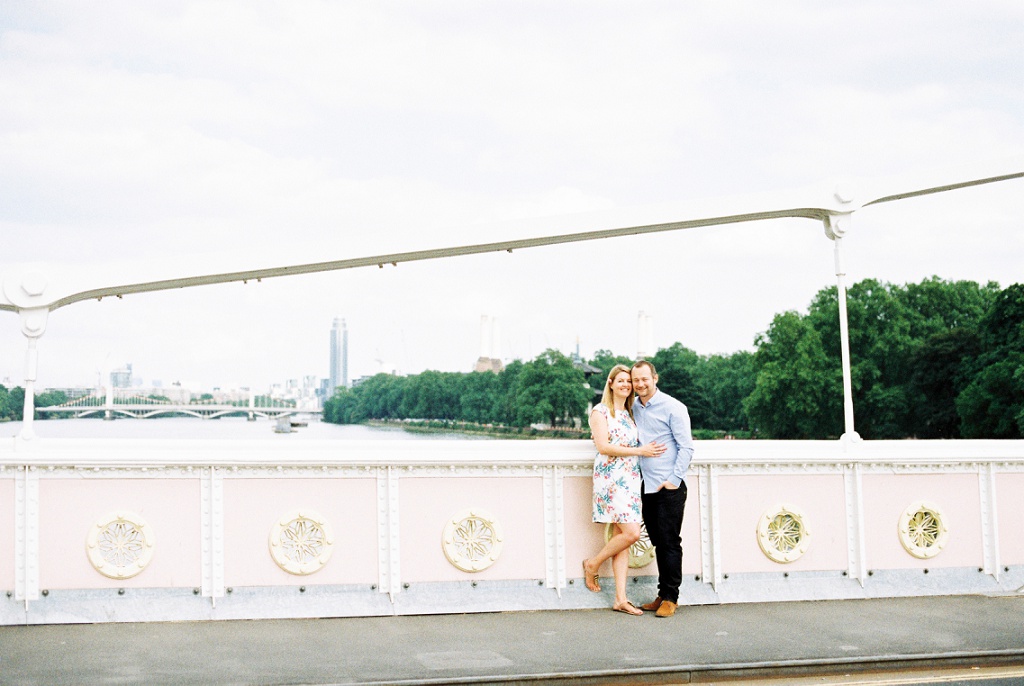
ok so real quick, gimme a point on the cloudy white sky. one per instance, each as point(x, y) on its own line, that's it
point(308, 131)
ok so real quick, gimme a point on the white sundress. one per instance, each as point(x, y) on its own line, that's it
point(617, 479)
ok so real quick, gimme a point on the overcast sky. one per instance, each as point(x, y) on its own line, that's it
point(309, 131)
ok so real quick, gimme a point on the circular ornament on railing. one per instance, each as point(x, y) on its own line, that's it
point(922, 530)
point(120, 545)
point(782, 534)
point(641, 553)
point(472, 540)
point(301, 542)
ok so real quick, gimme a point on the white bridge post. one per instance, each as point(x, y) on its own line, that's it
point(33, 324)
point(836, 226)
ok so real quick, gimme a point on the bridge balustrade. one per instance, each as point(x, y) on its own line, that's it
point(140, 530)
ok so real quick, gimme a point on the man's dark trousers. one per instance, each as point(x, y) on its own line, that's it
point(663, 517)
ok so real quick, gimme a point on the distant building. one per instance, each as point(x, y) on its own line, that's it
point(339, 355)
point(488, 360)
point(578, 362)
point(72, 392)
point(325, 390)
point(644, 335)
point(121, 378)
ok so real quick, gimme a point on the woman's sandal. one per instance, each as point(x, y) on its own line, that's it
point(628, 608)
point(590, 579)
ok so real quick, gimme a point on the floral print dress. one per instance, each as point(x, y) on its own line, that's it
point(617, 479)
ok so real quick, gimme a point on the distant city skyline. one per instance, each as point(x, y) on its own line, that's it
point(242, 135)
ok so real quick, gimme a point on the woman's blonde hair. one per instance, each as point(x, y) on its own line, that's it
point(607, 399)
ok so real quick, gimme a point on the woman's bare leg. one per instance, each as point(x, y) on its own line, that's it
point(628, 534)
point(620, 567)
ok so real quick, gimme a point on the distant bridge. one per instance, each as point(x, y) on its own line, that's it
point(129, 403)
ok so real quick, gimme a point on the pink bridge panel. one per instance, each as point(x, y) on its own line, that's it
point(744, 499)
point(69, 507)
point(516, 504)
point(957, 496)
point(1010, 510)
point(253, 505)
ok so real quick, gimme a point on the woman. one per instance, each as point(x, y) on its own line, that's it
point(617, 481)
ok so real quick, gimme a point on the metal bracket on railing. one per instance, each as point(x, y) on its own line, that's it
point(554, 530)
point(989, 519)
point(711, 553)
point(212, 495)
point(26, 535)
point(855, 546)
point(389, 572)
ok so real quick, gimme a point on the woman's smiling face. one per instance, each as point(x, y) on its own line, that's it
point(621, 385)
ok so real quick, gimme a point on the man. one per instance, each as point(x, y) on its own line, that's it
point(663, 419)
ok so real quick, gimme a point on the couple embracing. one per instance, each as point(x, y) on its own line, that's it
point(644, 448)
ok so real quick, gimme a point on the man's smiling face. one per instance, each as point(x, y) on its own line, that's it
point(645, 382)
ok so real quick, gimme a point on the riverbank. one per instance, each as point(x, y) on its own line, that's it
point(514, 432)
point(479, 430)
point(228, 428)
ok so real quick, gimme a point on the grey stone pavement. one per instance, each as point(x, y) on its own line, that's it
point(701, 643)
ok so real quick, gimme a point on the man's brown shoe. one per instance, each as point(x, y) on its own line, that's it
point(653, 605)
point(667, 609)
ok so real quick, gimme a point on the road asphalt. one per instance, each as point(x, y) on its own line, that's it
point(701, 643)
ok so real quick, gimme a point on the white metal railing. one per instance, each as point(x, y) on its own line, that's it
point(851, 493)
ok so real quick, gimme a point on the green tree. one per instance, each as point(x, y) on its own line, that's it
point(797, 390)
point(504, 409)
point(12, 403)
point(726, 381)
point(992, 404)
point(550, 389)
point(430, 395)
point(713, 387)
point(478, 397)
point(49, 399)
point(343, 407)
point(880, 348)
point(939, 376)
point(676, 365)
point(5, 396)
point(889, 328)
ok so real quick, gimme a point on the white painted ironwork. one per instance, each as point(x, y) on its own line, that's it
point(389, 570)
point(922, 530)
point(711, 551)
point(212, 522)
point(989, 519)
point(26, 534)
point(783, 534)
point(120, 545)
point(856, 549)
point(554, 530)
point(835, 228)
point(472, 540)
point(301, 542)
point(561, 465)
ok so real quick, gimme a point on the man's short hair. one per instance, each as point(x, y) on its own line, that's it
point(645, 363)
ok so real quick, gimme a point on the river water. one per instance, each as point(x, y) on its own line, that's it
point(237, 428)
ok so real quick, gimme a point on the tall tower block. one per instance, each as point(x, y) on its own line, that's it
point(489, 332)
point(644, 335)
point(339, 355)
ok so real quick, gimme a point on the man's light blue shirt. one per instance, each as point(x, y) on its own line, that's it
point(664, 420)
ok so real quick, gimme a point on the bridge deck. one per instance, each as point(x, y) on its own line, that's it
point(700, 643)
